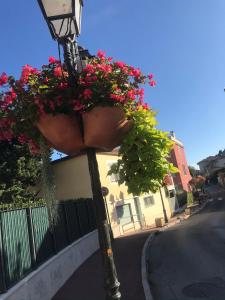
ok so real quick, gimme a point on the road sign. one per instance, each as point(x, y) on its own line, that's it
point(105, 191)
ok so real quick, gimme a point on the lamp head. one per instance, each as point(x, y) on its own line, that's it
point(62, 16)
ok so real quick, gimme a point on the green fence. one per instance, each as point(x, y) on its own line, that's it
point(26, 240)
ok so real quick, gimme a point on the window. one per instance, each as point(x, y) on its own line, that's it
point(113, 177)
point(149, 201)
point(172, 193)
point(124, 214)
point(184, 170)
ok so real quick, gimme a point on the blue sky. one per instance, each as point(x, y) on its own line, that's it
point(181, 41)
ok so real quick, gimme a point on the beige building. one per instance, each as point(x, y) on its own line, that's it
point(125, 211)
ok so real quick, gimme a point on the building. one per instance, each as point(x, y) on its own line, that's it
point(213, 164)
point(178, 158)
point(125, 211)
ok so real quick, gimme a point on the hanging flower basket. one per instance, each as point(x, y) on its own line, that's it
point(105, 127)
point(62, 132)
point(108, 96)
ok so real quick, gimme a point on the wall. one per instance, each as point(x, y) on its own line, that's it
point(73, 181)
point(118, 195)
point(43, 283)
point(177, 157)
point(156, 210)
point(72, 178)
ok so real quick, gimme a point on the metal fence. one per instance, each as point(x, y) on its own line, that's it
point(26, 239)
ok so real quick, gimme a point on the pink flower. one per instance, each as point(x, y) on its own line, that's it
point(101, 54)
point(135, 72)
point(34, 149)
point(89, 69)
point(26, 72)
point(52, 60)
point(57, 72)
point(13, 94)
point(22, 139)
point(8, 100)
point(150, 76)
point(131, 95)
point(118, 98)
point(120, 64)
point(145, 106)
point(104, 68)
point(3, 79)
point(87, 94)
point(152, 83)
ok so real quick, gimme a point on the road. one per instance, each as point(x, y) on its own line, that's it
point(187, 261)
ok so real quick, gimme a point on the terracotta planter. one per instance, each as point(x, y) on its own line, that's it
point(62, 132)
point(105, 127)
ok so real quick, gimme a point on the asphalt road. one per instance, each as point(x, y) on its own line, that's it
point(187, 261)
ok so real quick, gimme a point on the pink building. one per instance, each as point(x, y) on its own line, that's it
point(177, 157)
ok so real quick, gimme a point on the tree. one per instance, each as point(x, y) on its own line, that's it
point(19, 172)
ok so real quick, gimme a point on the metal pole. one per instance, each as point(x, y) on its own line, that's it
point(110, 275)
point(164, 210)
point(111, 281)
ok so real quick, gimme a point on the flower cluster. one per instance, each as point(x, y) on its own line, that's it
point(47, 91)
point(107, 82)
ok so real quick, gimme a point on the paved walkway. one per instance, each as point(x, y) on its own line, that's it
point(87, 282)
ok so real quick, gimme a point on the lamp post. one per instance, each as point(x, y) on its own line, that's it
point(163, 206)
point(63, 18)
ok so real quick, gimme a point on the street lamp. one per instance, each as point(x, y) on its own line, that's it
point(63, 18)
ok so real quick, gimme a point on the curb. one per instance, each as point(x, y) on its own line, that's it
point(144, 276)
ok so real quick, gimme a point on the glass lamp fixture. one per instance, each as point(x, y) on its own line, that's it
point(62, 16)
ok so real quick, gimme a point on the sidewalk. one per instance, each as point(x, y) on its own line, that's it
point(87, 282)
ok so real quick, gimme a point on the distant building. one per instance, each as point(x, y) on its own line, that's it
point(177, 157)
point(213, 164)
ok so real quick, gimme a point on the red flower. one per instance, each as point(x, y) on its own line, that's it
point(116, 97)
point(89, 69)
point(58, 72)
point(22, 139)
point(52, 60)
point(87, 94)
point(33, 147)
point(120, 64)
point(101, 54)
point(152, 83)
point(135, 72)
point(131, 95)
point(145, 106)
point(26, 72)
point(3, 79)
point(150, 76)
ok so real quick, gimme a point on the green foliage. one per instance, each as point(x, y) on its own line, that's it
point(144, 153)
point(18, 173)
